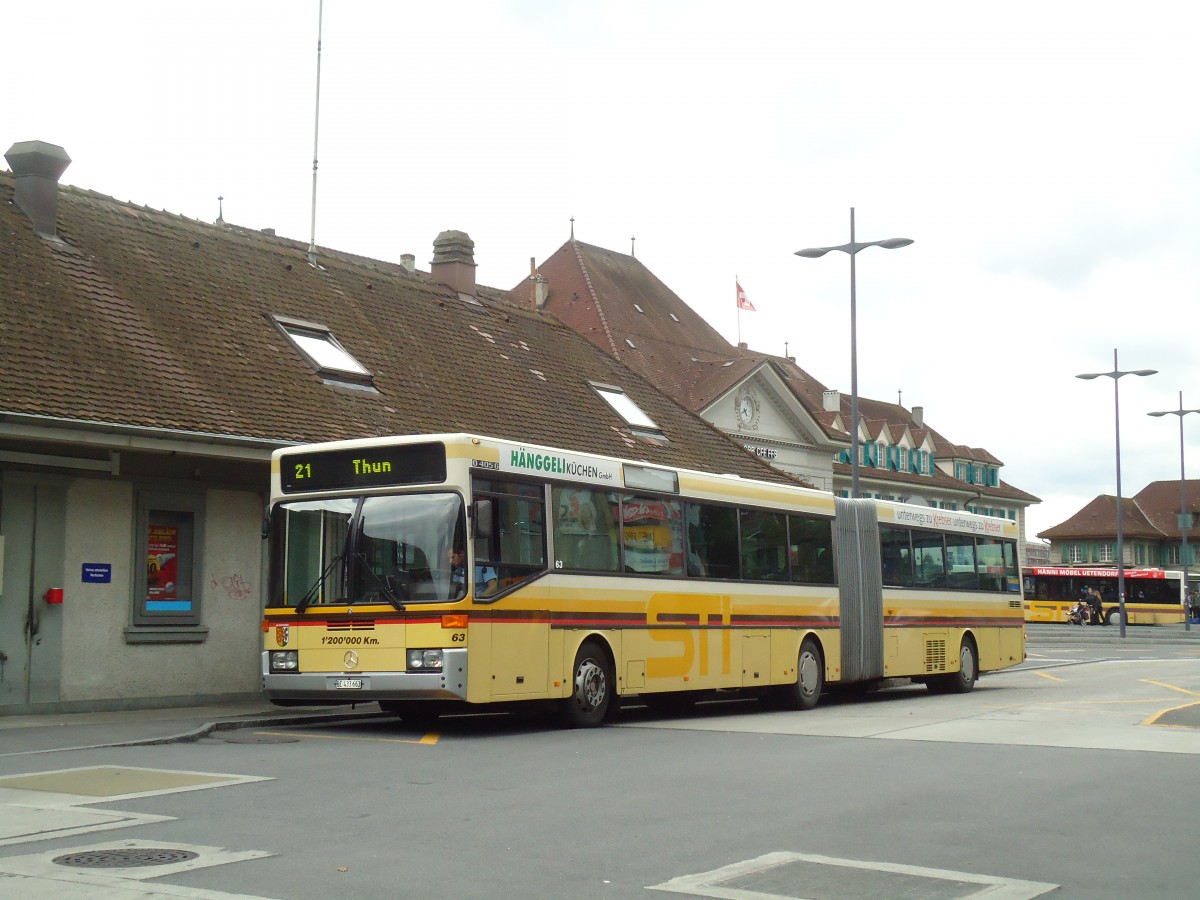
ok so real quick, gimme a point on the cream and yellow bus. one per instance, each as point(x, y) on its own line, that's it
point(586, 579)
point(1152, 596)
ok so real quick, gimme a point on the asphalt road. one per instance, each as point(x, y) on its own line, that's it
point(894, 795)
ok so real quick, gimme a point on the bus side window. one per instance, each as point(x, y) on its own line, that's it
point(585, 534)
point(764, 545)
point(896, 556)
point(992, 568)
point(652, 535)
point(811, 549)
point(516, 546)
point(712, 541)
point(963, 571)
point(929, 555)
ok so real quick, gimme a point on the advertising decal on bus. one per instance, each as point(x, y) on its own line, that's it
point(935, 518)
point(576, 468)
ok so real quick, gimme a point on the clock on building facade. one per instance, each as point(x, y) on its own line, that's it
point(746, 409)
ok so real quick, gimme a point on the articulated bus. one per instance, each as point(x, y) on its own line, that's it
point(1152, 596)
point(589, 580)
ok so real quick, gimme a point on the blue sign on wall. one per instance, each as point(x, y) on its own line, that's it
point(97, 573)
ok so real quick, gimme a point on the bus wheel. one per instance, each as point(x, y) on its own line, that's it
point(810, 679)
point(1113, 617)
point(592, 687)
point(962, 681)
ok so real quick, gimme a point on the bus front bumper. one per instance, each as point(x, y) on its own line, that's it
point(338, 688)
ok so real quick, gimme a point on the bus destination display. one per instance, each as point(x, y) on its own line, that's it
point(364, 467)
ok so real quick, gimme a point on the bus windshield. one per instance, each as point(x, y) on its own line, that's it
point(348, 550)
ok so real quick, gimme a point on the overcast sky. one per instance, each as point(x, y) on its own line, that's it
point(1043, 156)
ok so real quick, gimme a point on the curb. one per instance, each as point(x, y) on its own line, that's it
point(1135, 635)
point(208, 728)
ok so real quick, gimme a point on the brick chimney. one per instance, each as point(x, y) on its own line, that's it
point(918, 415)
point(454, 261)
point(37, 167)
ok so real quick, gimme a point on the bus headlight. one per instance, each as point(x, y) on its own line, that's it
point(285, 661)
point(424, 660)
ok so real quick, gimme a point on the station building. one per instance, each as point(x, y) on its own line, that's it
point(150, 363)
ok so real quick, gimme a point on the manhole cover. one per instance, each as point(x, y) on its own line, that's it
point(121, 859)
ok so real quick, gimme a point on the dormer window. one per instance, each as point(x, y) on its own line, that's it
point(624, 406)
point(322, 351)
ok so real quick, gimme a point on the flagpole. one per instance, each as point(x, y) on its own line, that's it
point(739, 310)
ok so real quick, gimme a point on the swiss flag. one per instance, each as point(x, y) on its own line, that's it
point(742, 301)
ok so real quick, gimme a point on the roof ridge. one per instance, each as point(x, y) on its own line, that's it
point(587, 279)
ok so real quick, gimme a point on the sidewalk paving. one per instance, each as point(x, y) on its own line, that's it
point(27, 734)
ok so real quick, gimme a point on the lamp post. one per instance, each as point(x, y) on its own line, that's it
point(851, 249)
point(1184, 516)
point(1116, 375)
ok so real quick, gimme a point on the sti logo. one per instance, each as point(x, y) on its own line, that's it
point(282, 633)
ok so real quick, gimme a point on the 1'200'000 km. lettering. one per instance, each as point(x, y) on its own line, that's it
point(349, 640)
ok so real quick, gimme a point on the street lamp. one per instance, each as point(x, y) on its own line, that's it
point(1184, 516)
point(1115, 375)
point(851, 249)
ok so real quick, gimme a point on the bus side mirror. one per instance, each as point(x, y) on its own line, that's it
point(482, 515)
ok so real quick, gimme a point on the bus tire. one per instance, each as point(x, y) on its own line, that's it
point(810, 678)
point(962, 681)
point(1114, 616)
point(592, 685)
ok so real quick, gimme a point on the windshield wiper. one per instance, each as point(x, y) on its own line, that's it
point(309, 597)
point(384, 584)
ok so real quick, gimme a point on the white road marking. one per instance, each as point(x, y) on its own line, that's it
point(716, 883)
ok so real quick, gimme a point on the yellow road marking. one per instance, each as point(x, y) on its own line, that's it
point(1051, 677)
point(1172, 687)
point(430, 738)
point(1153, 720)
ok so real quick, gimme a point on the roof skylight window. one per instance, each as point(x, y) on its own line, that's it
point(321, 349)
point(624, 406)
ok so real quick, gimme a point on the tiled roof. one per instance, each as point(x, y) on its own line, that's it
point(1159, 500)
point(1152, 513)
point(1098, 519)
point(613, 300)
point(148, 319)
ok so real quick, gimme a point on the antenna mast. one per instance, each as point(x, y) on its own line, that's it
point(312, 243)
